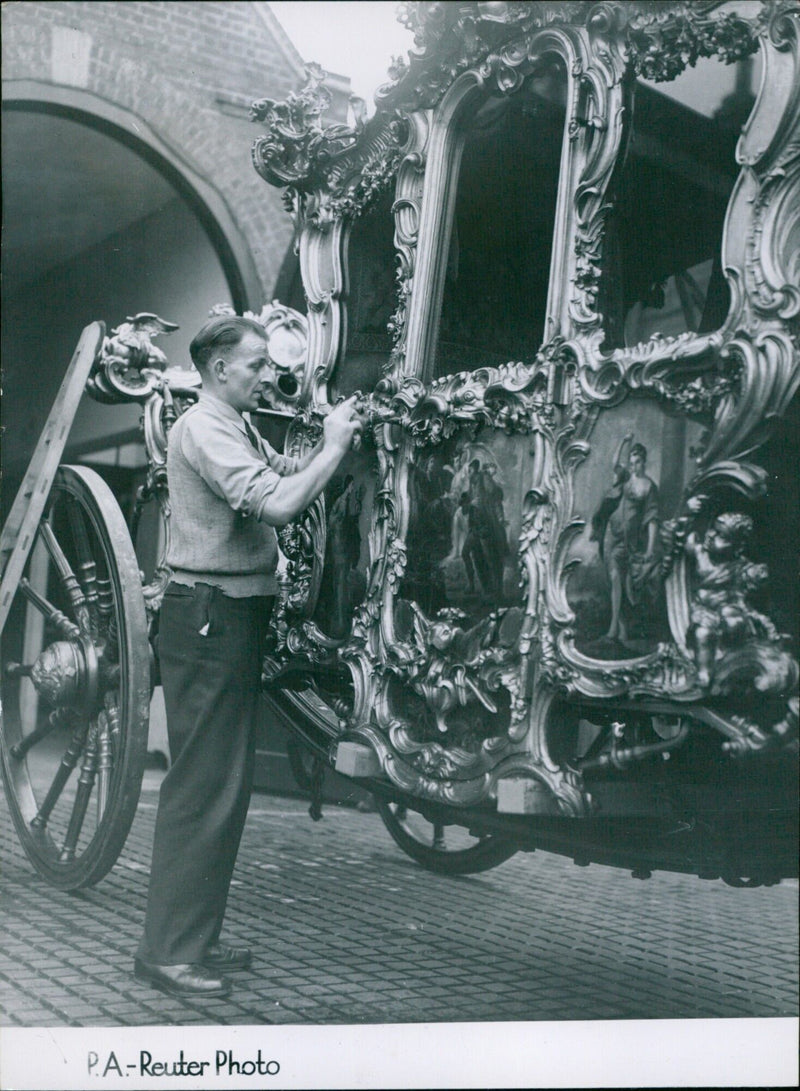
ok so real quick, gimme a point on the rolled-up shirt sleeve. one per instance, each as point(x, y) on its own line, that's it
point(231, 467)
point(281, 464)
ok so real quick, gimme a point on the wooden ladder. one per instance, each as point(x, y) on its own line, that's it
point(19, 530)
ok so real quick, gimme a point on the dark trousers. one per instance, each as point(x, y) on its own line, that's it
point(210, 651)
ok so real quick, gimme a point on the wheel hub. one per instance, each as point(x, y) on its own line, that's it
point(59, 673)
point(65, 673)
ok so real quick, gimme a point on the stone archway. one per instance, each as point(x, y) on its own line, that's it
point(131, 130)
point(102, 218)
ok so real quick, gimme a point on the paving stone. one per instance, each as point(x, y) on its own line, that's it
point(347, 929)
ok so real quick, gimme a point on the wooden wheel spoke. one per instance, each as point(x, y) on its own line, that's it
point(19, 670)
point(67, 576)
point(68, 763)
point(83, 793)
point(77, 649)
point(60, 717)
point(87, 565)
point(59, 621)
point(108, 725)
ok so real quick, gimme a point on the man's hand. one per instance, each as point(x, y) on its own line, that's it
point(341, 429)
point(343, 426)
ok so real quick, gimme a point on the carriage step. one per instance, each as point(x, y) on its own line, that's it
point(522, 795)
point(356, 760)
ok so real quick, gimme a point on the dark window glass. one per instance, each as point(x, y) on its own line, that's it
point(662, 269)
point(371, 298)
point(498, 260)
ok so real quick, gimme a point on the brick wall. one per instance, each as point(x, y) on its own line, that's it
point(189, 70)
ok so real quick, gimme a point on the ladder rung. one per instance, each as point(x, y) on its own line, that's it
point(26, 511)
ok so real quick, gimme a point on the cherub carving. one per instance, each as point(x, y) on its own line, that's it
point(454, 666)
point(722, 619)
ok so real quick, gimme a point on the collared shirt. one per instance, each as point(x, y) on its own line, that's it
point(219, 487)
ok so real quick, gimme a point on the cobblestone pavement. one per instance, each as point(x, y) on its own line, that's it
point(346, 929)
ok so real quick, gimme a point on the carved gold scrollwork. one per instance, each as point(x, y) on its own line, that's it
point(407, 212)
point(728, 387)
point(598, 128)
point(767, 380)
point(773, 251)
point(297, 148)
point(303, 543)
point(762, 242)
point(663, 40)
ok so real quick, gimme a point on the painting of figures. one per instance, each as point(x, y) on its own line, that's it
point(631, 482)
point(465, 497)
point(348, 499)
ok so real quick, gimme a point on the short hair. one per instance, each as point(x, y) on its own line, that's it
point(220, 333)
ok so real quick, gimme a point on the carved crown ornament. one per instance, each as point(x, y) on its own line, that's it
point(298, 147)
point(570, 524)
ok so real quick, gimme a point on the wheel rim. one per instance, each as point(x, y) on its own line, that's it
point(76, 686)
point(448, 848)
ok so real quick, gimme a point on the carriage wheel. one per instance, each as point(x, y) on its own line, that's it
point(76, 686)
point(449, 850)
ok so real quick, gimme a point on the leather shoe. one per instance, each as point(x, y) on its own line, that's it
point(219, 956)
point(186, 979)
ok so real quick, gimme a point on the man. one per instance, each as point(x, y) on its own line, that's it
point(228, 490)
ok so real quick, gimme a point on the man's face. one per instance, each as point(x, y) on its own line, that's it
point(246, 368)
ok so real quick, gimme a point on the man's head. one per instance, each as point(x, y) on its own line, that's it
point(231, 355)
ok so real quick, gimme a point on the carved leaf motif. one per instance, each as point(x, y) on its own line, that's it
point(297, 148)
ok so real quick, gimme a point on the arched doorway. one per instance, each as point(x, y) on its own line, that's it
point(97, 224)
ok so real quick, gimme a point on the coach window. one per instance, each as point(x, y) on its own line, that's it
point(371, 298)
point(501, 235)
point(662, 268)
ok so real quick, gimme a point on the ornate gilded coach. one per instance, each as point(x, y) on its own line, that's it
point(552, 596)
point(558, 511)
